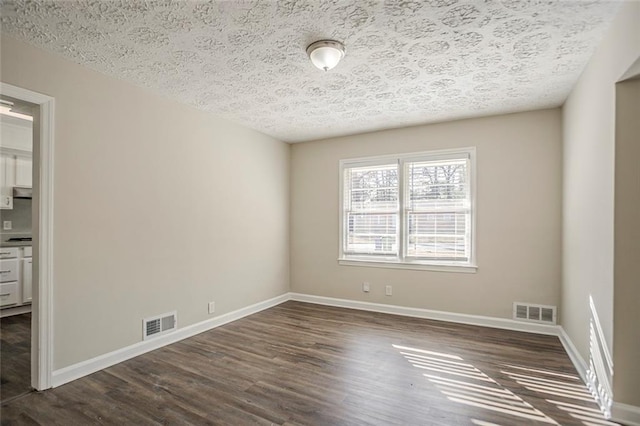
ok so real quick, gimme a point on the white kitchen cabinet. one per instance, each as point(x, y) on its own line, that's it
point(16, 147)
point(16, 266)
point(16, 169)
point(9, 252)
point(8, 270)
point(6, 198)
point(16, 134)
point(9, 278)
point(27, 268)
point(8, 294)
point(7, 180)
point(23, 171)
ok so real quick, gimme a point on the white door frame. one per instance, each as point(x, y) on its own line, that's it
point(42, 308)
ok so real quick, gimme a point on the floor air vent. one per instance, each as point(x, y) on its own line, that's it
point(537, 313)
point(156, 326)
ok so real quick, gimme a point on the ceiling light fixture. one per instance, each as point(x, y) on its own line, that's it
point(325, 54)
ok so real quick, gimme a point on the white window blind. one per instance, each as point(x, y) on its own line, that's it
point(437, 210)
point(371, 210)
point(409, 209)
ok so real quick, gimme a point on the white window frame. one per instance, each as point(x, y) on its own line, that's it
point(401, 261)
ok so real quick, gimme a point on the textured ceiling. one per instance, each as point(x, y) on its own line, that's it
point(408, 61)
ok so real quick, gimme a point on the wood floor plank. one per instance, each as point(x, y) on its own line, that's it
point(15, 355)
point(306, 364)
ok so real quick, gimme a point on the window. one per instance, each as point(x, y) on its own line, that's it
point(409, 211)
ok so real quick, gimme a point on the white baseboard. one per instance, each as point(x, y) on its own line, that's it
point(575, 357)
point(502, 323)
point(17, 310)
point(625, 414)
point(84, 368)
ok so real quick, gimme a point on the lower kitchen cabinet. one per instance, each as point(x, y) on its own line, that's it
point(8, 270)
point(27, 268)
point(9, 279)
point(8, 294)
point(16, 266)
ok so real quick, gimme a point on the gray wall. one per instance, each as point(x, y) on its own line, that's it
point(150, 212)
point(518, 216)
point(588, 181)
point(626, 318)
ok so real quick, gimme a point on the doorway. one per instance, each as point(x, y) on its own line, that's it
point(40, 324)
point(16, 261)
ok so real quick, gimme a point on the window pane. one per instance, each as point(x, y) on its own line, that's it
point(437, 236)
point(415, 209)
point(438, 214)
point(371, 210)
point(373, 188)
point(372, 233)
point(438, 185)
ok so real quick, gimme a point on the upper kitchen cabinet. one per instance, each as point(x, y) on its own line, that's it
point(23, 171)
point(16, 134)
point(17, 169)
point(16, 162)
point(6, 180)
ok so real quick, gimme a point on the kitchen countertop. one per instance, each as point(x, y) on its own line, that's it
point(5, 236)
point(16, 243)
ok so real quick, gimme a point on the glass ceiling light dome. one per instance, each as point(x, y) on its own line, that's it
point(325, 54)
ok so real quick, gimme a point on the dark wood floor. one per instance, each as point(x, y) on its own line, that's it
point(15, 356)
point(304, 364)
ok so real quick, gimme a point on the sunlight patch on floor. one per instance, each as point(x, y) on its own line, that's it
point(464, 383)
point(523, 379)
point(547, 383)
point(483, 423)
point(422, 351)
point(545, 372)
point(478, 390)
point(589, 416)
point(565, 386)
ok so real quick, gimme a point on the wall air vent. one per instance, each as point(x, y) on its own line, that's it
point(537, 313)
point(159, 325)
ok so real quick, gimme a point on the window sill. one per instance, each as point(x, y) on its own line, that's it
point(393, 264)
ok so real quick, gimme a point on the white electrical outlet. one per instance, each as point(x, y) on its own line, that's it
point(366, 287)
point(212, 307)
point(388, 290)
point(6, 225)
